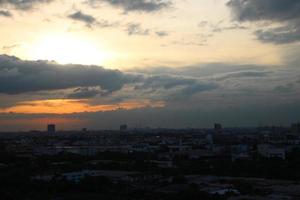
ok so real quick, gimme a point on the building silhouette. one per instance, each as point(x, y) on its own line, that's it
point(218, 128)
point(123, 128)
point(51, 128)
point(295, 128)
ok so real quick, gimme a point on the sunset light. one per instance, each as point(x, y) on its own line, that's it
point(65, 49)
point(63, 106)
point(149, 99)
point(161, 63)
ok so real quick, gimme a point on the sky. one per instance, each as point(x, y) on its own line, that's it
point(148, 63)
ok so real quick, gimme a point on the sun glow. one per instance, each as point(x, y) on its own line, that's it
point(69, 106)
point(67, 49)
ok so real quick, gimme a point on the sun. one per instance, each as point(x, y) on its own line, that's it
point(67, 49)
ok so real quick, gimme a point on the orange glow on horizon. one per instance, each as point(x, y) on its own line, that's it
point(69, 106)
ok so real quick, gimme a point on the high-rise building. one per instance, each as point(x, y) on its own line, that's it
point(84, 130)
point(51, 128)
point(295, 128)
point(123, 128)
point(218, 128)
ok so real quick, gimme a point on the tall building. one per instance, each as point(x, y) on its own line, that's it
point(51, 128)
point(295, 128)
point(218, 128)
point(84, 130)
point(123, 128)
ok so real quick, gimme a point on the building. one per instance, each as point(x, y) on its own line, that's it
point(123, 128)
point(84, 130)
point(240, 152)
point(295, 128)
point(51, 128)
point(218, 128)
point(78, 176)
point(271, 151)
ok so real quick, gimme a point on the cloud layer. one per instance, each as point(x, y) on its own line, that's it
point(90, 21)
point(286, 12)
point(215, 90)
point(18, 76)
point(5, 13)
point(23, 4)
point(136, 5)
point(79, 16)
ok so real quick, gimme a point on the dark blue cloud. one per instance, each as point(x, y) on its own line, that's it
point(85, 93)
point(5, 13)
point(136, 5)
point(90, 20)
point(23, 4)
point(274, 10)
point(18, 76)
point(82, 17)
point(136, 29)
point(282, 35)
point(286, 12)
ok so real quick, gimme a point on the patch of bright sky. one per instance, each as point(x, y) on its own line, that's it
point(36, 35)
